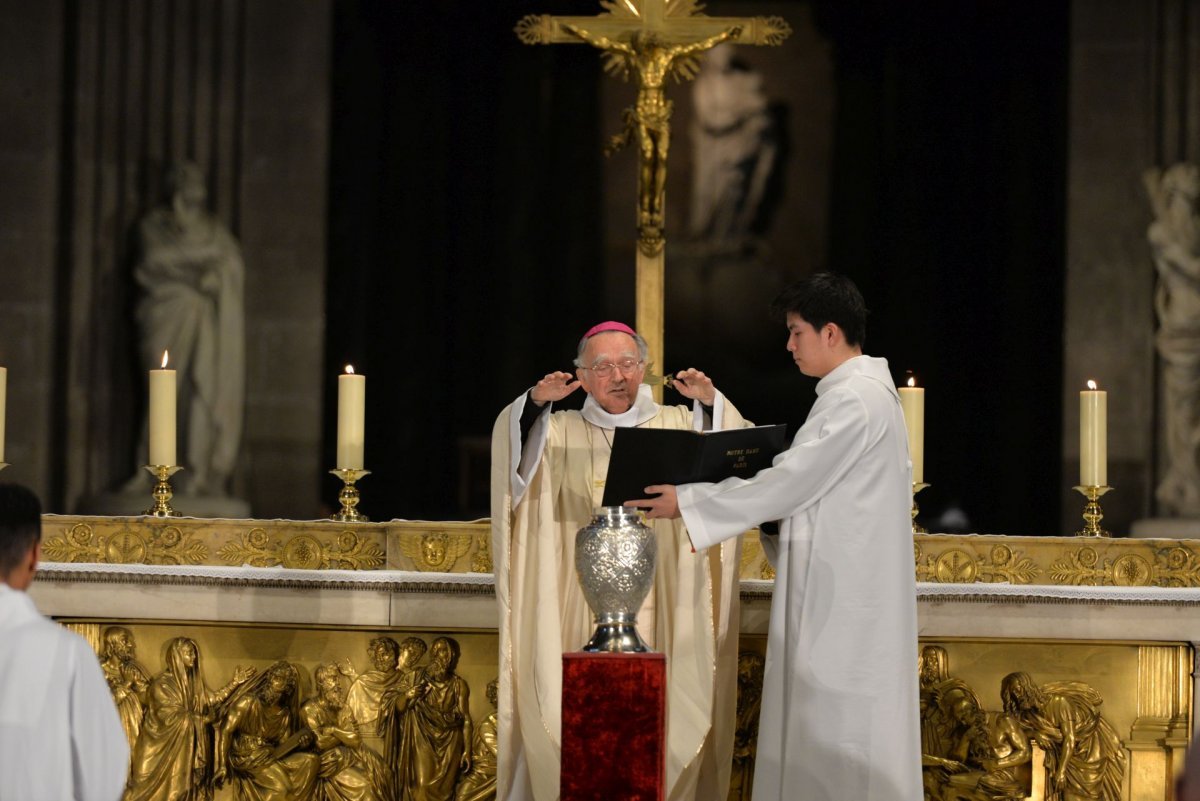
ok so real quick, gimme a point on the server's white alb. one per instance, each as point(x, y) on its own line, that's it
point(840, 716)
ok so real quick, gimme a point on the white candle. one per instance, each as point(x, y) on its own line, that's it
point(162, 415)
point(3, 396)
point(1093, 436)
point(352, 396)
point(912, 401)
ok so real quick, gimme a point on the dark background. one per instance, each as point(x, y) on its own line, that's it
point(466, 253)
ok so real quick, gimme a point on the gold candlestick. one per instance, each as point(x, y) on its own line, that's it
point(349, 496)
point(1092, 514)
point(917, 528)
point(162, 489)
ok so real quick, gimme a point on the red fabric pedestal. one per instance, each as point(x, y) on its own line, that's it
point(613, 714)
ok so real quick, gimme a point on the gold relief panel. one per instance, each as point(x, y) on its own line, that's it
point(326, 712)
point(1005, 719)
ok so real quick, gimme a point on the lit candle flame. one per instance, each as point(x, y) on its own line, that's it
point(1091, 384)
point(912, 381)
point(349, 369)
point(164, 360)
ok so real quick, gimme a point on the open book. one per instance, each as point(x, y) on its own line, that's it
point(645, 456)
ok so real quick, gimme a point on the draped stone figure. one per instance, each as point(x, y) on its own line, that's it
point(1085, 760)
point(349, 771)
point(736, 149)
point(480, 783)
point(173, 757)
point(1174, 238)
point(262, 745)
point(190, 272)
point(127, 680)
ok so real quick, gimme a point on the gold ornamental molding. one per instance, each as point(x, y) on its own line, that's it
point(124, 544)
point(1069, 561)
point(347, 551)
point(465, 547)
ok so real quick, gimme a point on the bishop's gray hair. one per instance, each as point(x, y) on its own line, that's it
point(643, 348)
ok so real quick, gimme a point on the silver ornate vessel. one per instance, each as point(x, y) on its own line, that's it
point(614, 558)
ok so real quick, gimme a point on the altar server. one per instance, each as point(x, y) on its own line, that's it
point(548, 471)
point(60, 734)
point(840, 695)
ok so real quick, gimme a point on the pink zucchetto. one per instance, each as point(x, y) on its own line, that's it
point(609, 325)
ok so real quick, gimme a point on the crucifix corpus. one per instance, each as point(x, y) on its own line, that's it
point(652, 39)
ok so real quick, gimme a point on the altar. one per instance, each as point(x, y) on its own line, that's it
point(1113, 621)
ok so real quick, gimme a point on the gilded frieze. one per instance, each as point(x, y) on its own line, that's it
point(226, 712)
point(260, 548)
point(1004, 719)
point(126, 544)
point(951, 559)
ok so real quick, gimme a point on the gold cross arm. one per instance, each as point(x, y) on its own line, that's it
point(547, 29)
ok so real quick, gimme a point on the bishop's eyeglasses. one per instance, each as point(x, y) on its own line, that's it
point(604, 369)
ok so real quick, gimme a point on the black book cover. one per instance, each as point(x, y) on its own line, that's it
point(645, 456)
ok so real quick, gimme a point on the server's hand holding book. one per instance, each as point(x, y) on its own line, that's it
point(645, 456)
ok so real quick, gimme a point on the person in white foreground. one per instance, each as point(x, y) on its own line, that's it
point(840, 717)
point(60, 734)
point(548, 474)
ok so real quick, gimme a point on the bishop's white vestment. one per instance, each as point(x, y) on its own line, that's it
point(60, 735)
point(840, 718)
point(543, 492)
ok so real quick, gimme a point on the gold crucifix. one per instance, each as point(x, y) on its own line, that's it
point(652, 39)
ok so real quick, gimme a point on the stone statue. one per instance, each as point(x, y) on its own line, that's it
point(653, 59)
point(173, 757)
point(1084, 757)
point(745, 736)
point(480, 783)
point(190, 272)
point(438, 722)
point(1174, 238)
point(397, 731)
point(366, 691)
point(126, 679)
point(262, 746)
point(735, 143)
point(349, 771)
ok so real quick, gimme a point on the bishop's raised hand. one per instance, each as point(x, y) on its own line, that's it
point(554, 387)
point(694, 384)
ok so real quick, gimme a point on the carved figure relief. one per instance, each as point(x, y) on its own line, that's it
point(438, 726)
point(436, 551)
point(745, 736)
point(264, 737)
point(173, 756)
point(261, 745)
point(480, 783)
point(127, 680)
point(348, 770)
point(367, 691)
point(1084, 756)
